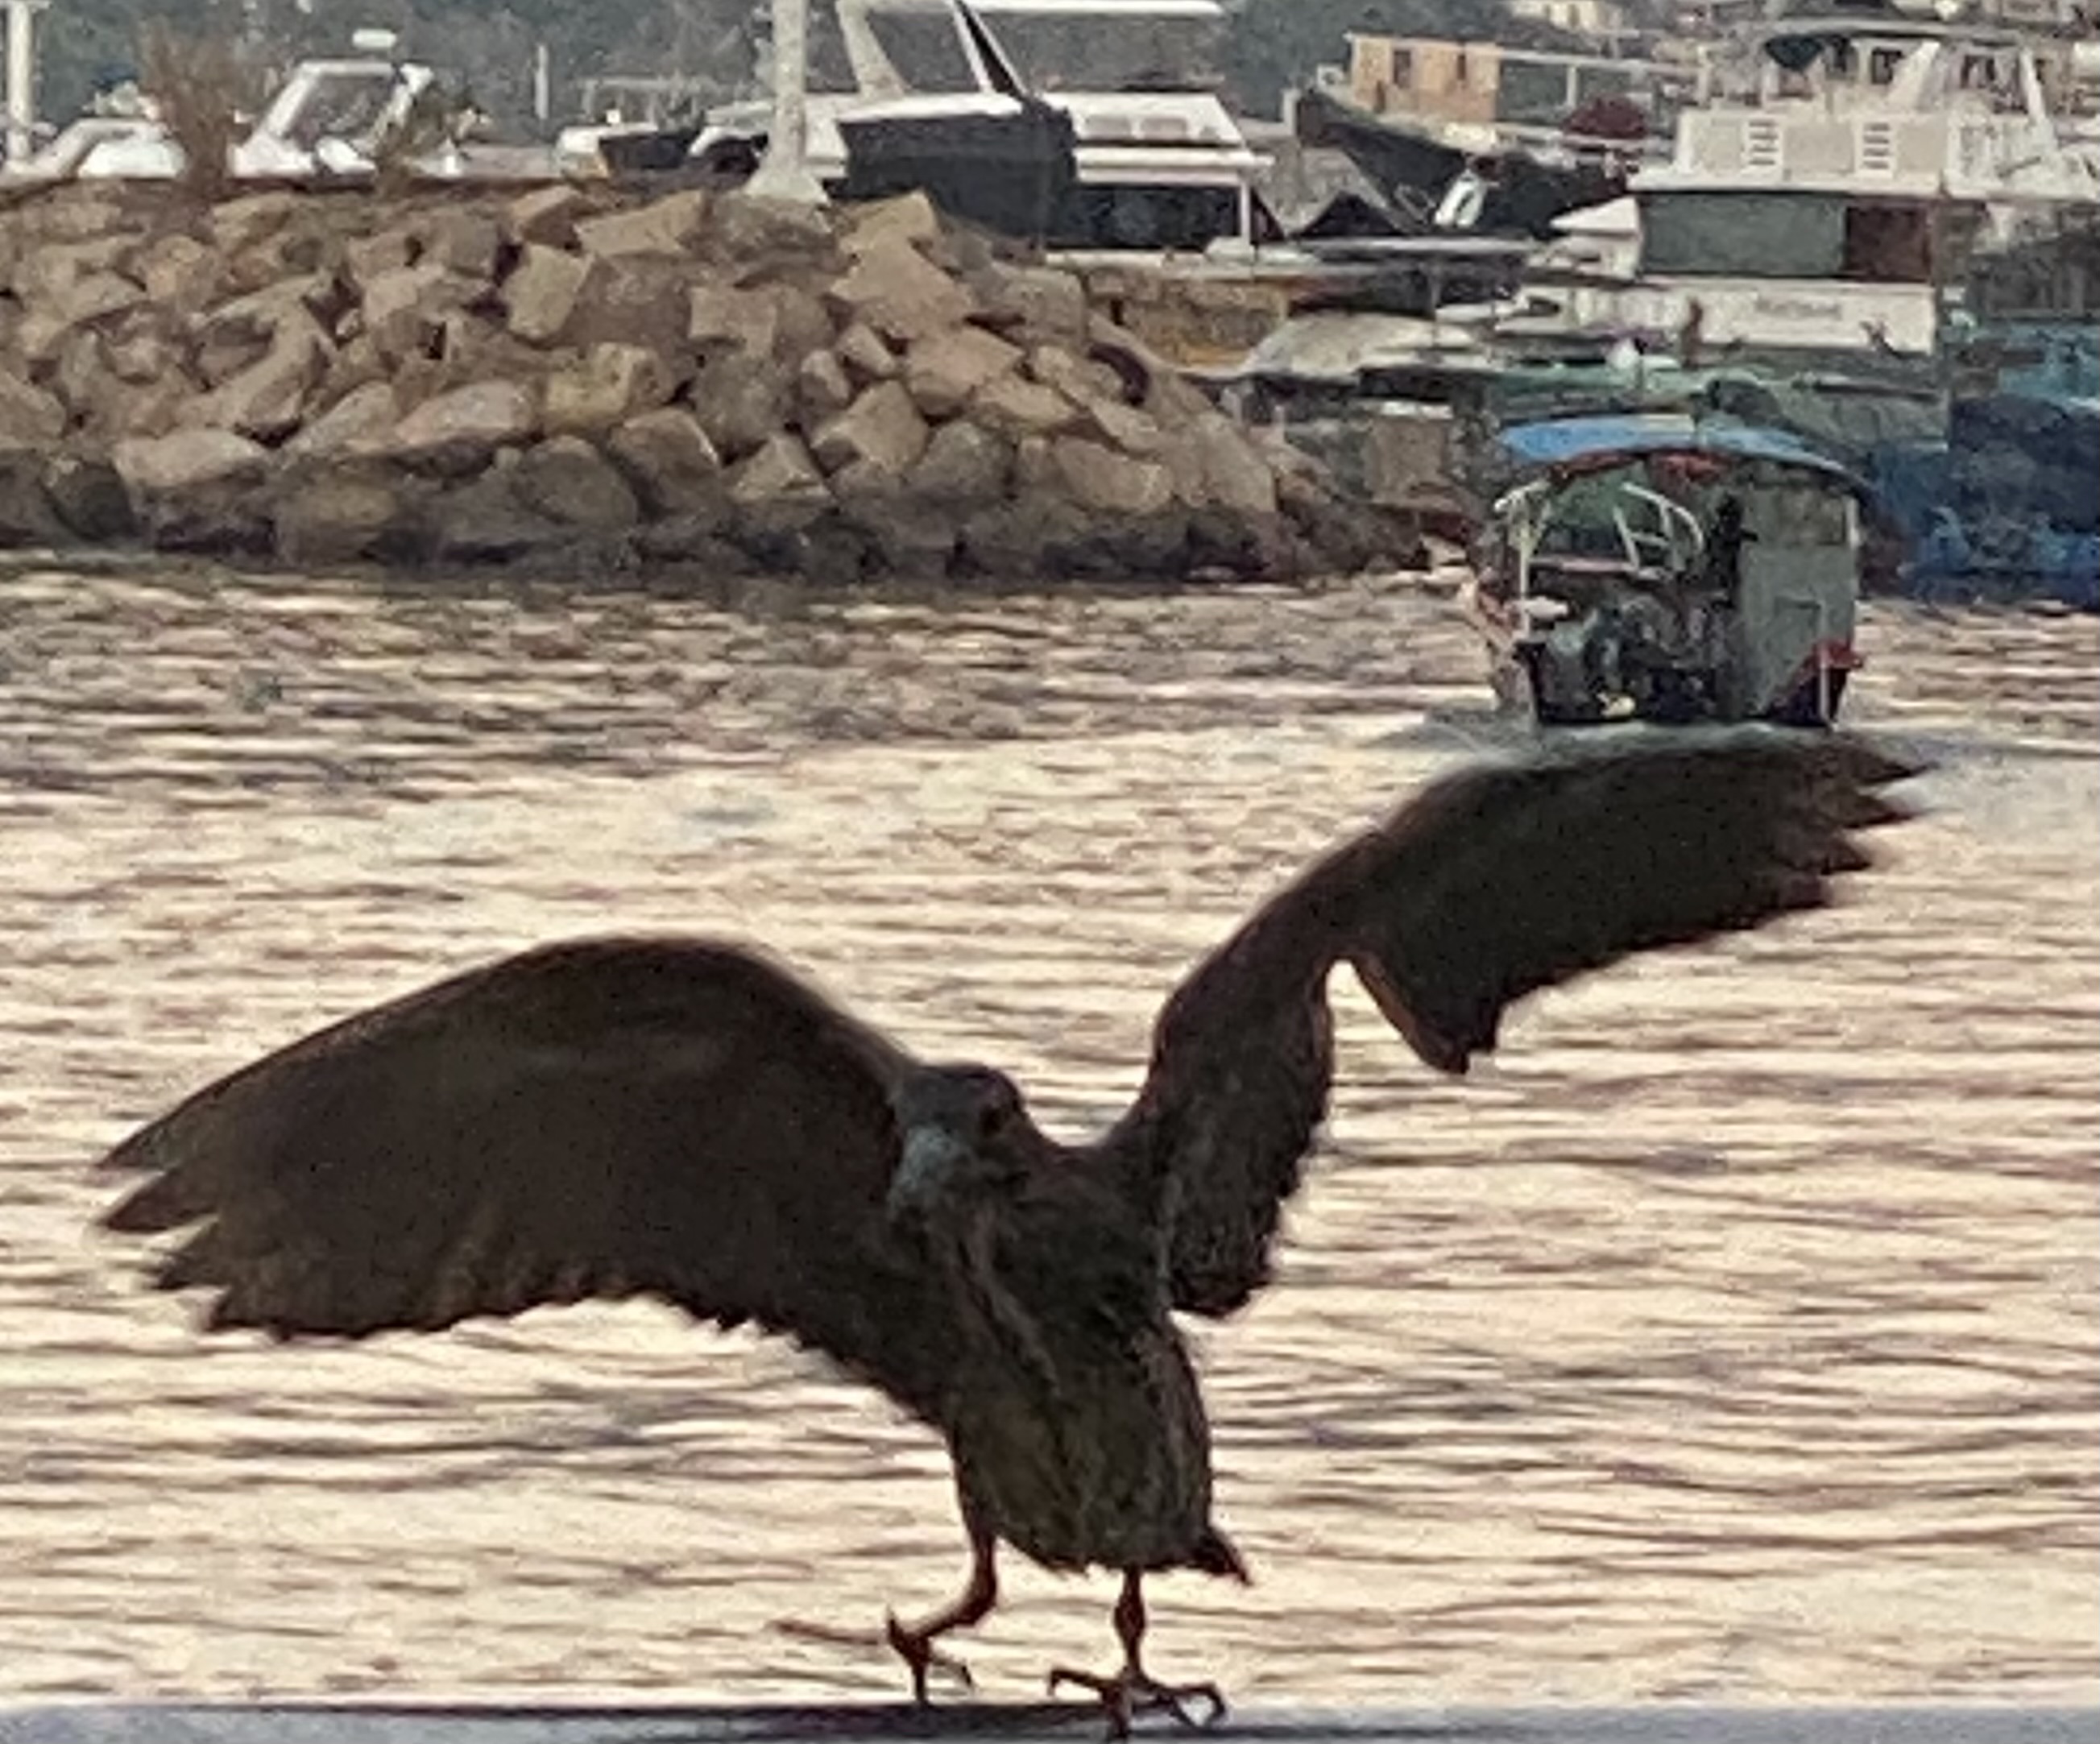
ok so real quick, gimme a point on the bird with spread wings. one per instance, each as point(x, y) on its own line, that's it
point(685, 1119)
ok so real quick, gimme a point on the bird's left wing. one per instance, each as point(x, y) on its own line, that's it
point(1492, 883)
point(603, 1117)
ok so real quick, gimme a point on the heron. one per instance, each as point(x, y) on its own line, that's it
point(687, 1119)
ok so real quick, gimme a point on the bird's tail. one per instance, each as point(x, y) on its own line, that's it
point(1216, 1554)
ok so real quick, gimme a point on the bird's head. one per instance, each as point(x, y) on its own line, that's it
point(964, 1130)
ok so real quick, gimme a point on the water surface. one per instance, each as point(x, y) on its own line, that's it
point(1731, 1336)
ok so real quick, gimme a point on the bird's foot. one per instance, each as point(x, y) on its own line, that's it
point(916, 1648)
point(1133, 1691)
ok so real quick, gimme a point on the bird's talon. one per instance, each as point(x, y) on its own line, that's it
point(921, 1657)
point(1127, 1694)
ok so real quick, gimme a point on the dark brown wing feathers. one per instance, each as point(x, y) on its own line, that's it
point(680, 1119)
point(1493, 884)
point(605, 1118)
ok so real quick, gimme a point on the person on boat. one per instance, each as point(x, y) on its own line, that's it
point(1724, 550)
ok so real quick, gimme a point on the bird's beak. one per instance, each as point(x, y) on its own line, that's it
point(931, 1156)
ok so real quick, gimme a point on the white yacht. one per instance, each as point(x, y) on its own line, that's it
point(1160, 162)
point(327, 118)
point(1826, 194)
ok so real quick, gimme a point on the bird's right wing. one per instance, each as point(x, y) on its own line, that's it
point(605, 1118)
point(1497, 881)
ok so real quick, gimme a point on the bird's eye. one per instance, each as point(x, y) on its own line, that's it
point(994, 1117)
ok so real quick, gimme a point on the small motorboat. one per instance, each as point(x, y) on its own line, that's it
point(1660, 567)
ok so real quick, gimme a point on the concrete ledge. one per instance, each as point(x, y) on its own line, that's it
point(441, 1723)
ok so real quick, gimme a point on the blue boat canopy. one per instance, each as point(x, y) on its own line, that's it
point(1564, 441)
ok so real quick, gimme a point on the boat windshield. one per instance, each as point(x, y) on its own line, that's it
point(1721, 233)
point(346, 103)
point(926, 49)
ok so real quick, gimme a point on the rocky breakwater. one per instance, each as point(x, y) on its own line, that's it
point(569, 379)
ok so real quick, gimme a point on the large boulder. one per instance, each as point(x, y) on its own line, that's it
point(1023, 538)
point(179, 273)
point(93, 298)
point(823, 389)
point(29, 417)
point(1232, 473)
point(486, 520)
point(741, 399)
point(238, 226)
point(26, 516)
point(362, 421)
point(632, 299)
point(865, 354)
point(608, 384)
point(569, 482)
point(1015, 408)
point(911, 218)
point(462, 240)
point(1110, 483)
point(49, 270)
point(718, 314)
point(404, 311)
point(881, 429)
point(1214, 465)
point(946, 369)
point(147, 348)
point(757, 236)
point(965, 465)
point(342, 517)
point(391, 250)
point(541, 293)
point(197, 489)
point(905, 534)
point(781, 318)
point(1033, 304)
point(190, 460)
point(668, 458)
point(267, 400)
point(236, 335)
point(89, 499)
point(546, 216)
point(895, 289)
point(779, 485)
point(460, 430)
point(49, 273)
point(672, 225)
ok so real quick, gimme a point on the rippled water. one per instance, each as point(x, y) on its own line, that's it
point(1733, 1336)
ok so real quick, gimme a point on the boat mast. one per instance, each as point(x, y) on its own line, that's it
point(785, 173)
point(21, 77)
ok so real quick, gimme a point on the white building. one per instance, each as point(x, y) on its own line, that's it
point(1582, 18)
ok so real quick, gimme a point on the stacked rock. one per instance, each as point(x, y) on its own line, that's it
point(584, 380)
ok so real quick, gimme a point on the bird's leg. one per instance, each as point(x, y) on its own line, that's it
point(1133, 1688)
point(914, 1644)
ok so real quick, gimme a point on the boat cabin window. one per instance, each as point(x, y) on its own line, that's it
point(1792, 236)
point(344, 102)
point(1887, 245)
point(1668, 506)
point(927, 50)
point(1136, 215)
point(1882, 65)
point(1110, 49)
